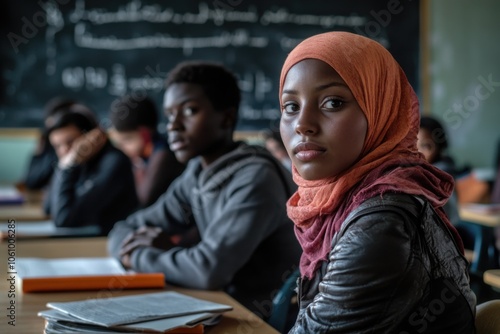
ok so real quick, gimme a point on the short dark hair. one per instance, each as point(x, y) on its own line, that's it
point(130, 112)
point(71, 117)
point(436, 130)
point(218, 83)
point(57, 103)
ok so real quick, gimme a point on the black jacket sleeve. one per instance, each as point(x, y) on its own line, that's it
point(41, 168)
point(370, 280)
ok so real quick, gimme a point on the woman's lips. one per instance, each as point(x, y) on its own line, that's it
point(307, 151)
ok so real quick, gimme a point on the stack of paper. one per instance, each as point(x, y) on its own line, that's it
point(162, 312)
point(71, 274)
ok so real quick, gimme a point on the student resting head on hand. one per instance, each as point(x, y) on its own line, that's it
point(93, 183)
point(379, 254)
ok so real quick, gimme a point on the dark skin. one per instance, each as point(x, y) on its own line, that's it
point(195, 128)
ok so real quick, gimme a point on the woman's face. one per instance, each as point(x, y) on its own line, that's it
point(322, 126)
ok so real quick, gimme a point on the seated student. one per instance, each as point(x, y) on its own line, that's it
point(233, 192)
point(274, 144)
point(44, 159)
point(93, 183)
point(432, 142)
point(135, 122)
point(379, 254)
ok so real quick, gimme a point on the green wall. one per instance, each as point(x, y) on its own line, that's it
point(15, 153)
point(464, 50)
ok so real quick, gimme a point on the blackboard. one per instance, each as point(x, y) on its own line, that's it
point(96, 50)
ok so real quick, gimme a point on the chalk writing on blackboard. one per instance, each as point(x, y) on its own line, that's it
point(96, 50)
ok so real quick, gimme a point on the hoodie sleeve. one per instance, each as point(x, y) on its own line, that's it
point(170, 212)
point(246, 210)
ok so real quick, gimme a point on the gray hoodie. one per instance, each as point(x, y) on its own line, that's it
point(238, 203)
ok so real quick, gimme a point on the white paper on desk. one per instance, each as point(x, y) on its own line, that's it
point(159, 325)
point(123, 310)
point(10, 195)
point(38, 267)
point(47, 228)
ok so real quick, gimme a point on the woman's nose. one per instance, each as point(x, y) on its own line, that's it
point(307, 121)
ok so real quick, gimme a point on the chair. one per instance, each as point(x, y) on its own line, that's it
point(282, 302)
point(488, 317)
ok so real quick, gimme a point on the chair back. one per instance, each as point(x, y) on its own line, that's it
point(488, 317)
point(282, 302)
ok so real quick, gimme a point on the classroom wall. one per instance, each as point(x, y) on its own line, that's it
point(463, 55)
point(16, 147)
point(464, 70)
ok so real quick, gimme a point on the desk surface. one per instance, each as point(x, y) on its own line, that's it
point(481, 218)
point(492, 277)
point(22, 212)
point(239, 320)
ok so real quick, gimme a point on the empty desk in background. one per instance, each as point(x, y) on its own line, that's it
point(485, 253)
point(22, 212)
point(28, 208)
point(239, 320)
point(44, 229)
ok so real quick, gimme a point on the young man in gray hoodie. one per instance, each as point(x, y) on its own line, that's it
point(234, 193)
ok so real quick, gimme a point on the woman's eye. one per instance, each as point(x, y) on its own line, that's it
point(290, 108)
point(333, 104)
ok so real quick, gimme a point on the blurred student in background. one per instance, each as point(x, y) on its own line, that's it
point(134, 131)
point(44, 159)
point(432, 142)
point(93, 182)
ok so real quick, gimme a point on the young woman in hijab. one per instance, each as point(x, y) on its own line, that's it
point(379, 253)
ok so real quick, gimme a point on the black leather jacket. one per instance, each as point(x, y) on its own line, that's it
point(393, 268)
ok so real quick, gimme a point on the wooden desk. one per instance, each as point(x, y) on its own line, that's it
point(30, 210)
point(239, 320)
point(486, 219)
point(22, 212)
point(492, 277)
point(485, 252)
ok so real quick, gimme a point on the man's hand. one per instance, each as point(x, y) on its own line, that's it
point(145, 236)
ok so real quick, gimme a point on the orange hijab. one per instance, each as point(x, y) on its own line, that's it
point(389, 162)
